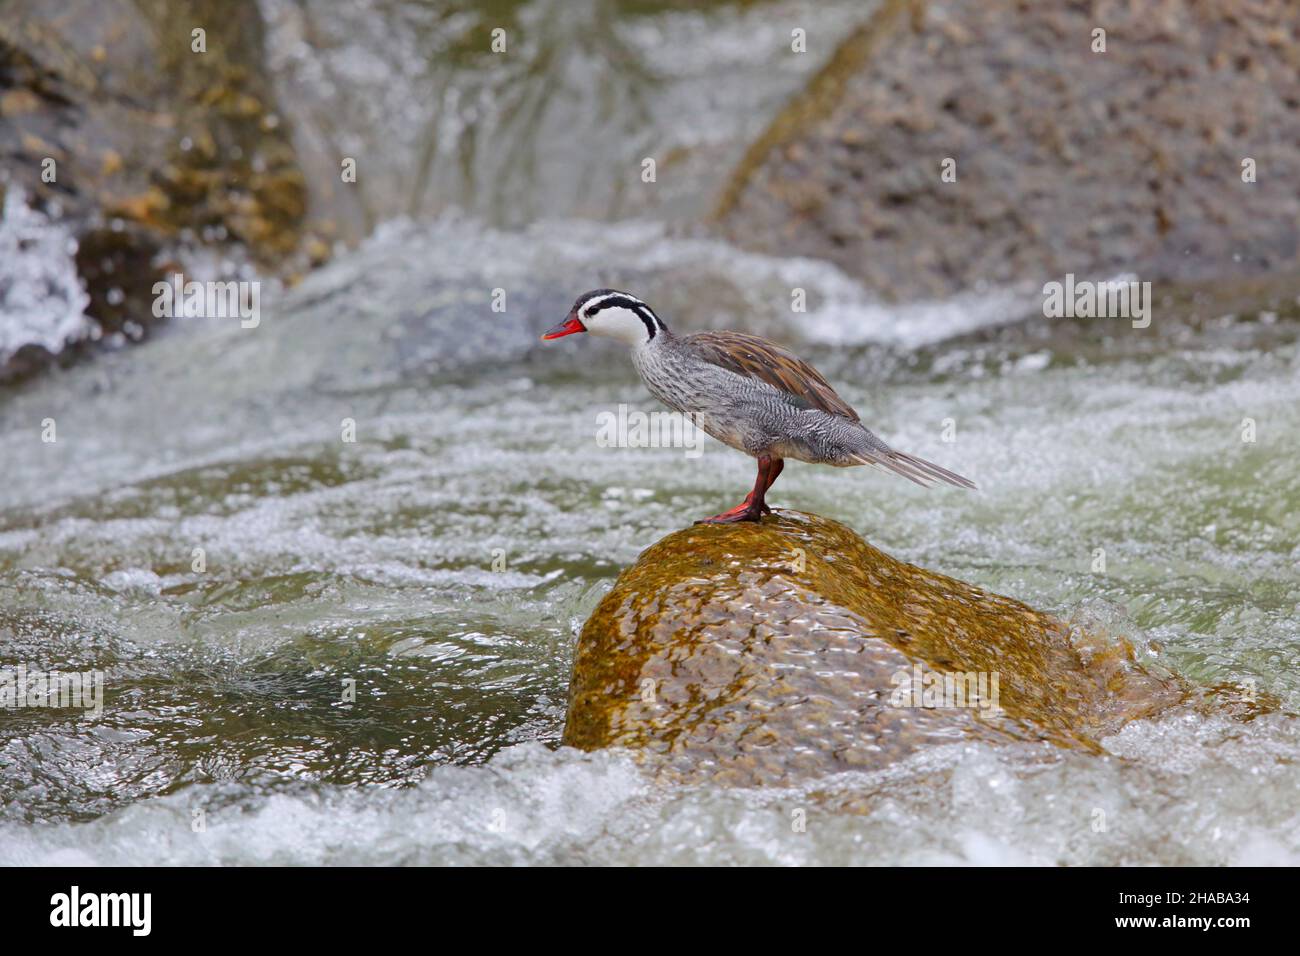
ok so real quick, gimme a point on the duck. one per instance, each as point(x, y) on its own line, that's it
point(747, 392)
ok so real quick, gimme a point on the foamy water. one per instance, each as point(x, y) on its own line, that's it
point(445, 560)
point(42, 302)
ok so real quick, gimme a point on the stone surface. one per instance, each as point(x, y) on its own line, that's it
point(1067, 160)
point(150, 151)
point(774, 652)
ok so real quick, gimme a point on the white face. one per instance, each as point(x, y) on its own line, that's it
point(628, 325)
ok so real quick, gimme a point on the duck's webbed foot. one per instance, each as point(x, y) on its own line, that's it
point(753, 507)
point(745, 511)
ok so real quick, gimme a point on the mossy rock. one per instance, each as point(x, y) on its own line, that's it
point(772, 652)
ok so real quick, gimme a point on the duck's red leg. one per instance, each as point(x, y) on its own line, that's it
point(753, 507)
point(777, 465)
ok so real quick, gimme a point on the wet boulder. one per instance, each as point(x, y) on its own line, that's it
point(791, 649)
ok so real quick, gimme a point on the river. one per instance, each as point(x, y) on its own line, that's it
point(442, 563)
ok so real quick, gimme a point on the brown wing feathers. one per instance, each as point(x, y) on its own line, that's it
point(768, 362)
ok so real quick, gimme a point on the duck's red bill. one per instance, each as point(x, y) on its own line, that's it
point(567, 327)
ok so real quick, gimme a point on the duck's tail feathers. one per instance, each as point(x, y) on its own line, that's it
point(915, 469)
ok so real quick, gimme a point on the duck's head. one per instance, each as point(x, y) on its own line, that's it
point(608, 312)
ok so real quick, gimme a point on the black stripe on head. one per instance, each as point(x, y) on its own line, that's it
point(612, 298)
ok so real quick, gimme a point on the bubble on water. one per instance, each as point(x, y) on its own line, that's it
point(134, 580)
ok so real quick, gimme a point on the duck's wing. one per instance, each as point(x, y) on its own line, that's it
point(765, 361)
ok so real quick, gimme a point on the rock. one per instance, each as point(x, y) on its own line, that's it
point(1067, 160)
point(767, 653)
point(148, 150)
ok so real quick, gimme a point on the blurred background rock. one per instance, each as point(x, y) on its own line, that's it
point(1067, 160)
point(228, 162)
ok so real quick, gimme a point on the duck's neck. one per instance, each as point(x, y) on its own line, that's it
point(651, 343)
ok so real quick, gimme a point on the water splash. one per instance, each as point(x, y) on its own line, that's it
point(373, 560)
point(42, 302)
